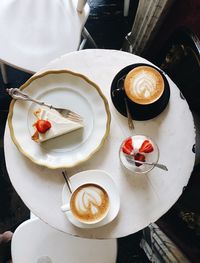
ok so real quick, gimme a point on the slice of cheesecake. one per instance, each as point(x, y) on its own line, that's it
point(51, 124)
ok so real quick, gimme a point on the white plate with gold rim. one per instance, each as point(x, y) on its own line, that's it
point(101, 178)
point(64, 89)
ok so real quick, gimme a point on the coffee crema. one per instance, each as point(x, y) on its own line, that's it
point(144, 85)
point(89, 203)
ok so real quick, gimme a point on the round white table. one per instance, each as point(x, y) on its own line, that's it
point(144, 198)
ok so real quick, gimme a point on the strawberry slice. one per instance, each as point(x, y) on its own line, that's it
point(128, 146)
point(42, 126)
point(139, 157)
point(146, 147)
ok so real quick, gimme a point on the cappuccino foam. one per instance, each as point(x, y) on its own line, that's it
point(144, 85)
point(89, 203)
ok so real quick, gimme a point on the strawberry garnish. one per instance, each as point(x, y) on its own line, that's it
point(146, 147)
point(42, 126)
point(128, 146)
point(139, 157)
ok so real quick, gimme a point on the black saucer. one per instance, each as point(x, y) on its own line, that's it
point(139, 112)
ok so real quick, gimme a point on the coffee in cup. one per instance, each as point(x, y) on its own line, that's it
point(144, 85)
point(146, 89)
point(89, 203)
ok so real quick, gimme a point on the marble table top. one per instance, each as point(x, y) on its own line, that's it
point(143, 198)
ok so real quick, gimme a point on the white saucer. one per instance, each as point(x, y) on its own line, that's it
point(94, 176)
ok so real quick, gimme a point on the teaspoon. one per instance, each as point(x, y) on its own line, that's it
point(67, 180)
point(158, 165)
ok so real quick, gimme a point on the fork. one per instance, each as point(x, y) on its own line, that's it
point(66, 113)
point(131, 159)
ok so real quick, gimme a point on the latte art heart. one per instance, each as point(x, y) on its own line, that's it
point(89, 202)
point(144, 85)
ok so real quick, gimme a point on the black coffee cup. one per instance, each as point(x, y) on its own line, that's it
point(138, 111)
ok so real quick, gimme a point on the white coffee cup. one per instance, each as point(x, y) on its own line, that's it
point(89, 203)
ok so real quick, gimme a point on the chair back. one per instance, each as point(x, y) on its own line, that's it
point(36, 32)
point(80, 5)
point(180, 59)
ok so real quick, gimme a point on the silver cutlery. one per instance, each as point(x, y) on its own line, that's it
point(66, 113)
point(67, 180)
point(131, 159)
point(129, 116)
point(120, 84)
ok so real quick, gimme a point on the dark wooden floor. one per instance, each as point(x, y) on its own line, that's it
point(108, 27)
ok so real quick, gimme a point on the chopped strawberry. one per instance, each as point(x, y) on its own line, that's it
point(146, 147)
point(139, 157)
point(128, 146)
point(42, 126)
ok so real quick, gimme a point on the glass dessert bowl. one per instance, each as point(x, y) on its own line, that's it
point(139, 148)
